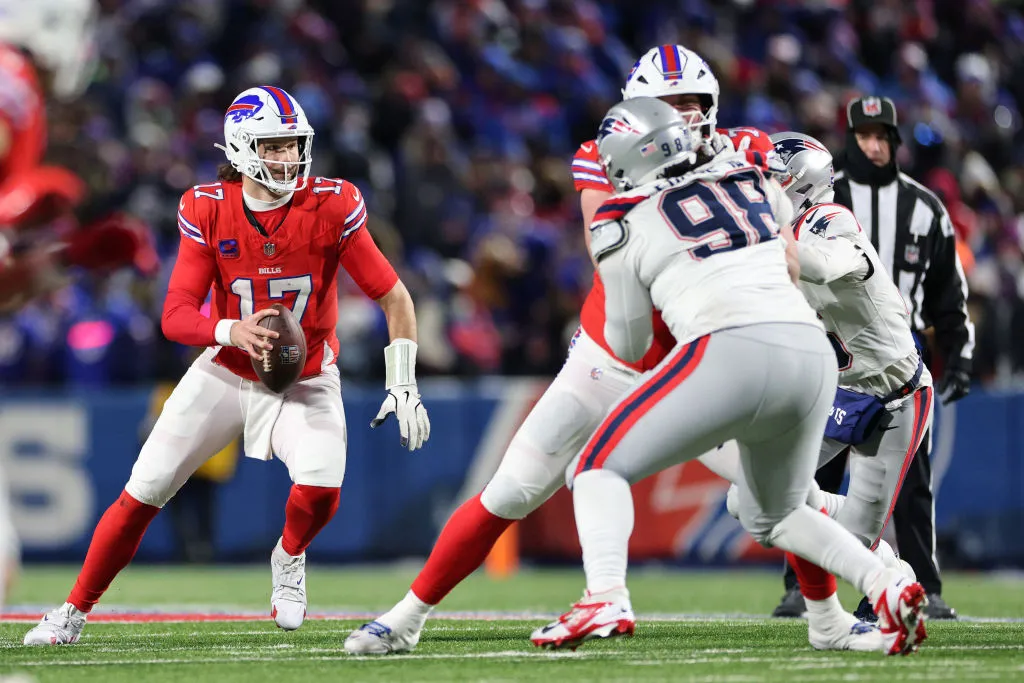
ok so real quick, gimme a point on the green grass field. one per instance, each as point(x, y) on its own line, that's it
point(694, 626)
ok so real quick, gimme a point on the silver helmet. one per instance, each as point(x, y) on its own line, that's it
point(809, 177)
point(641, 137)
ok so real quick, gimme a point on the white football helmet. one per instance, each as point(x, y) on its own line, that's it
point(60, 36)
point(641, 138)
point(259, 114)
point(809, 176)
point(674, 70)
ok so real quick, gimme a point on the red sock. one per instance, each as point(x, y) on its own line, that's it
point(461, 548)
point(815, 582)
point(114, 542)
point(307, 511)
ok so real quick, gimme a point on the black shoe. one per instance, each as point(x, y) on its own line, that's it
point(938, 609)
point(792, 605)
point(865, 612)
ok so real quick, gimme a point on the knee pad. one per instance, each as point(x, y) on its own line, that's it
point(324, 472)
point(525, 479)
point(153, 480)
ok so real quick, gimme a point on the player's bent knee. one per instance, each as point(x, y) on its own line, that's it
point(511, 497)
point(327, 474)
point(150, 491)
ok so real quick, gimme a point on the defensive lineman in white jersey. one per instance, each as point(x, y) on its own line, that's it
point(699, 241)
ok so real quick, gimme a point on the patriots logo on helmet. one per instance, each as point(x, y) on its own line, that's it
point(244, 108)
point(611, 125)
point(787, 148)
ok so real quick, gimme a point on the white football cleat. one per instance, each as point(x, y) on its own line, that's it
point(899, 604)
point(588, 619)
point(288, 601)
point(376, 638)
point(844, 632)
point(62, 626)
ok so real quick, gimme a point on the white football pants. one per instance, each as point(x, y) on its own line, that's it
point(210, 406)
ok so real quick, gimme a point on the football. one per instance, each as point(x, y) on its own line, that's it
point(282, 365)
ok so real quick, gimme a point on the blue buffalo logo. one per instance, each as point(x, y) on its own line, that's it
point(244, 108)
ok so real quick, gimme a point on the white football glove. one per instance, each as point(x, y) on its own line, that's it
point(413, 424)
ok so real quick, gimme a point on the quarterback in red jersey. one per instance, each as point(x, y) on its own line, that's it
point(265, 233)
point(572, 407)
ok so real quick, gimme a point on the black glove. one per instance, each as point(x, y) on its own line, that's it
point(956, 382)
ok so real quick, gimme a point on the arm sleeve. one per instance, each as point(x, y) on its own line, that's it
point(628, 308)
point(367, 265)
point(825, 260)
point(945, 294)
point(190, 283)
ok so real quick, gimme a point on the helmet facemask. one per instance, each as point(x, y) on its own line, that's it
point(292, 175)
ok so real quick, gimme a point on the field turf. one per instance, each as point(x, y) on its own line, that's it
point(211, 624)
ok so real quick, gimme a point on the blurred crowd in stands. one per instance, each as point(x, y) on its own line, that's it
point(458, 120)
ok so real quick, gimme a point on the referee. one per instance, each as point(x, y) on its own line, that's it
point(913, 235)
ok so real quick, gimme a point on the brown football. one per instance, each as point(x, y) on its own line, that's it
point(283, 364)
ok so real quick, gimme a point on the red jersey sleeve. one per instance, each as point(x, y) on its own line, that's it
point(587, 170)
point(356, 248)
point(190, 282)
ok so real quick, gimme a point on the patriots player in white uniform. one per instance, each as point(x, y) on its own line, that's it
point(698, 239)
point(884, 404)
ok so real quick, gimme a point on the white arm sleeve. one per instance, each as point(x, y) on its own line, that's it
point(782, 208)
point(627, 328)
point(824, 260)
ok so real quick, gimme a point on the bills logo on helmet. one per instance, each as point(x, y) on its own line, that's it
point(614, 125)
point(871, 106)
point(244, 108)
point(790, 147)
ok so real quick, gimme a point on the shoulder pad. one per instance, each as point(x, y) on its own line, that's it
point(606, 237)
point(587, 169)
point(191, 214)
point(827, 221)
point(339, 202)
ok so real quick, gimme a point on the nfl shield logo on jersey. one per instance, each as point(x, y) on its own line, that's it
point(289, 354)
point(912, 254)
point(872, 106)
point(269, 249)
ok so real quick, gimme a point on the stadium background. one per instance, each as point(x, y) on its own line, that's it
point(458, 121)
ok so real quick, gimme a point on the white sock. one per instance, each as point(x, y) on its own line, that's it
point(830, 607)
point(604, 519)
point(821, 540)
point(409, 612)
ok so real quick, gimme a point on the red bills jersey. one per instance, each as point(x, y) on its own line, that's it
point(295, 263)
point(23, 109)
point(588, 174)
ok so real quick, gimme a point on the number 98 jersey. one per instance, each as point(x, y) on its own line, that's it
point(706, 247)
point(291, 255)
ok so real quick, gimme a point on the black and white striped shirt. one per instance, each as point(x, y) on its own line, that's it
point(913, 235)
